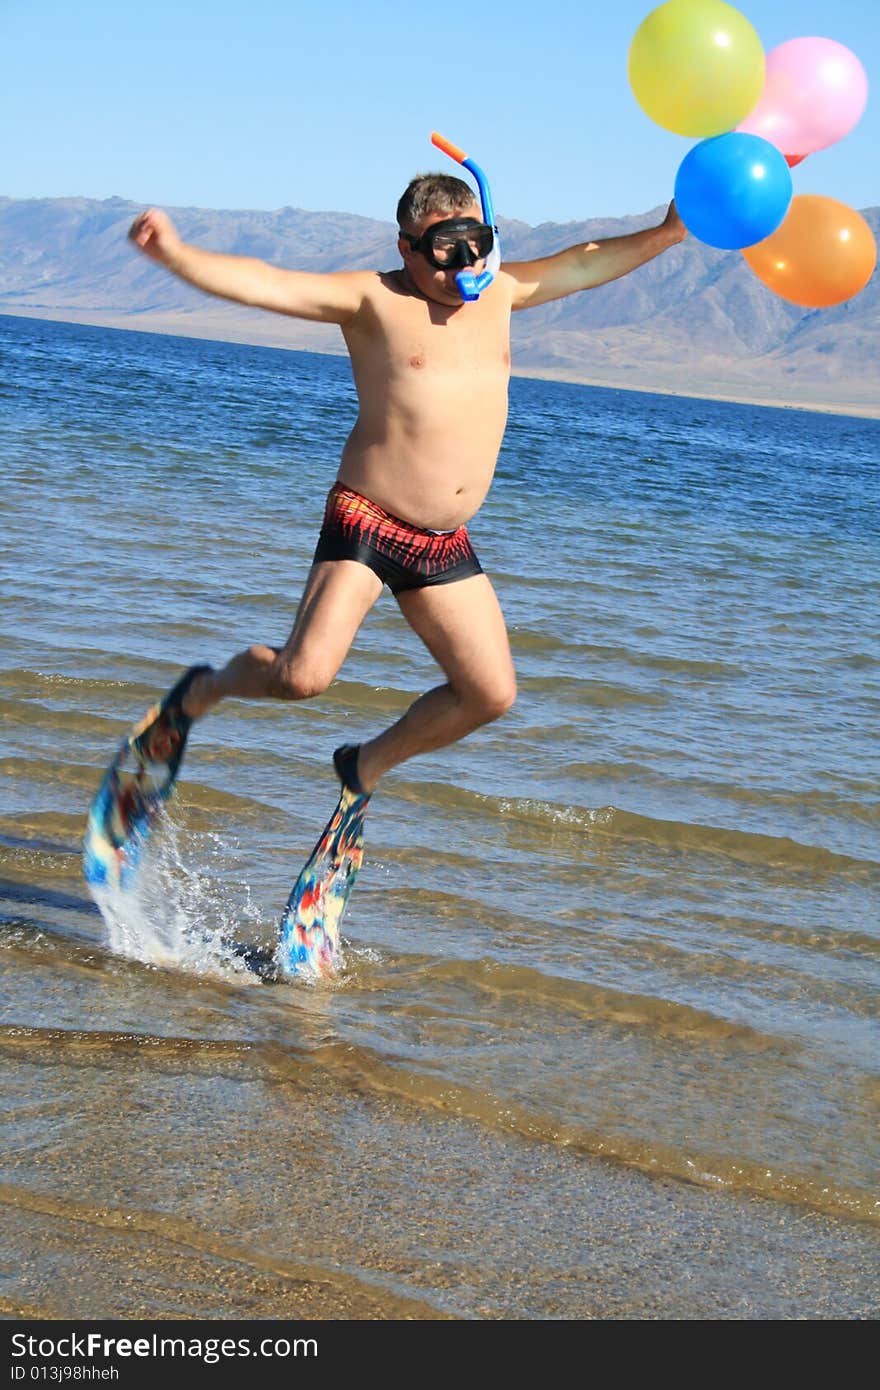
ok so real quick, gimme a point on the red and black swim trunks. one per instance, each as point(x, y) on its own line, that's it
point(403, 556)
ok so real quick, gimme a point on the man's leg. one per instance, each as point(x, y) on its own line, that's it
point(463, 628)
point(337, 597)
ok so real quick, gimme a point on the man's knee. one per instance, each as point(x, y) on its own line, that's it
point(494, 701)
point(290, 679)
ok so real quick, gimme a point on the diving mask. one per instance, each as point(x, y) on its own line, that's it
point(455, 243)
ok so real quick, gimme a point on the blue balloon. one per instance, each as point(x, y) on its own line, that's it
point(733, 190)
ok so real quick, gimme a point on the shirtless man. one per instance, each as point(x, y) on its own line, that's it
point(431, 373)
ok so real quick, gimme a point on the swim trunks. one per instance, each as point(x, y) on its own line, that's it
point(403, 556)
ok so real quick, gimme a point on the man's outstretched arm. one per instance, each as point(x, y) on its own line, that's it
point(333, 298)
point(591, 264)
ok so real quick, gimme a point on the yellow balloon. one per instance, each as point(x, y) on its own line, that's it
point(696, 67)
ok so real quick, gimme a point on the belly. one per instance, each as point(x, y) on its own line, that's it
point(427, 452)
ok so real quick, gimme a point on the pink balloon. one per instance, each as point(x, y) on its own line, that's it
point(814, 93)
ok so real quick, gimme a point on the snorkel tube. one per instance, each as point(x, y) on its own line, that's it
point(471, 286)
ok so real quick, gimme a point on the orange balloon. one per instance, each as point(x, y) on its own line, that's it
point(822, 254)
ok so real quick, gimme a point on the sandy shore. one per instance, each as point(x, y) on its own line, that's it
point(381, 1209)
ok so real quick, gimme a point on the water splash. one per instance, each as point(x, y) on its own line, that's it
point(178, 917)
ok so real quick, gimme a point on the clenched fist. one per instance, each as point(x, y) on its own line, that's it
point(156, 235)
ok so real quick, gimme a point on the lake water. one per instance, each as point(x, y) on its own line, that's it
point(636, 920)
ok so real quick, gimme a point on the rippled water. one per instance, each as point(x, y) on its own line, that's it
point(636, 919)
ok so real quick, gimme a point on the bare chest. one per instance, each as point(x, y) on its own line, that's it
point(412, 336)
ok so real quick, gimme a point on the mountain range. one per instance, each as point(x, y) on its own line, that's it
point(695, 321)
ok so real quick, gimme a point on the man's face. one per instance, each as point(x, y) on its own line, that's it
point(435, 284)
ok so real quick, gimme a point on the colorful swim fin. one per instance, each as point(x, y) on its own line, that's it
point(308, 941)
point(160, 738)
point(129, 799)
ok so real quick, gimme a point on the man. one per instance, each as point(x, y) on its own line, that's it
point(432, 374)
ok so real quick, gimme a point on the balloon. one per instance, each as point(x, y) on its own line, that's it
point(793, 160)
point(696, 66)
point(823, 253)
point(814, 93)
point(733, 191)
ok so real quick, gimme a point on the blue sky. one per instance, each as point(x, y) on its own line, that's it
point(330, 106)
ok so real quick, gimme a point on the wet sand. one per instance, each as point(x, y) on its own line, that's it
point(448, 1220)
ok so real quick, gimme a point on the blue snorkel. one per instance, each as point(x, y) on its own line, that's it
point(471, 286)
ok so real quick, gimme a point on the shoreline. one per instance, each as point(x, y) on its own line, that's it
point(313, 338)
point(612, 1243)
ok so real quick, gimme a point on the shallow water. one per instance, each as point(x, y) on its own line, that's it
point(636, 919)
